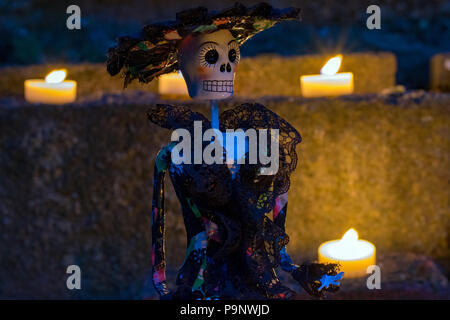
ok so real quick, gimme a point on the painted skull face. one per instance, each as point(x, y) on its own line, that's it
point(208, 63)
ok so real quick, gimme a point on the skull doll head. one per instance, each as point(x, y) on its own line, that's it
point(208, 63)
point(203, 44)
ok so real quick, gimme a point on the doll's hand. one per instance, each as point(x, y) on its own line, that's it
point(327, 280)
point(318, 278)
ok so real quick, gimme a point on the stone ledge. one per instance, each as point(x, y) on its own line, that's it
point(75, 186)
point(403, 276)
point(256, 76)
point(280, 76)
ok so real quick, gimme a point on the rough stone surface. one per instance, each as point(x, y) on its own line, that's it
point(280, 76)
point(264, 75)
point(76, 185)
point(91, 79)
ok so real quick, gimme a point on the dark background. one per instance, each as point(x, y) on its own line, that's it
point(33, 31)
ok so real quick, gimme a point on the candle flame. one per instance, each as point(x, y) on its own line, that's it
point(56, 76)
point(350, 236)
point(332, 66)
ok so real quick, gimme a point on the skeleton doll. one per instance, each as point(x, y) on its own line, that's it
point(233, 245)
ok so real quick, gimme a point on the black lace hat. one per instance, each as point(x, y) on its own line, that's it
point(155, 51)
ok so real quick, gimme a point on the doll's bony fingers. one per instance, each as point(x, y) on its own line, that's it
point(336, 278)
point(339, 276)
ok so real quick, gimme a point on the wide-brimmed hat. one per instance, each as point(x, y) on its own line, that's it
point(155, 51)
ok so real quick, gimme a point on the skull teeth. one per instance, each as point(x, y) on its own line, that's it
point(218, 85)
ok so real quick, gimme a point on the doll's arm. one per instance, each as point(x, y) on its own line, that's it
point(315, 278)
point(162, 163)
point(279, 218)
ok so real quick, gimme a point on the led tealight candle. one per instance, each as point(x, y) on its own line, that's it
point(53, 90)
point(172, 84)
point(329, 82)
point(353, 255)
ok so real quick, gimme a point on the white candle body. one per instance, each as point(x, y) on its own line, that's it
point(326, 85)
point(39, 91)
point(172, 84)
point(353, 258)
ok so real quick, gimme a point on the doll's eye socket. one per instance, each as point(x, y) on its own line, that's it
point(232, 55)
point(208, 55)
point(211, 56)
point(233, 52)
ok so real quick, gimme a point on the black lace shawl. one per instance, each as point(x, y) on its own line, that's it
point(259, 194)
